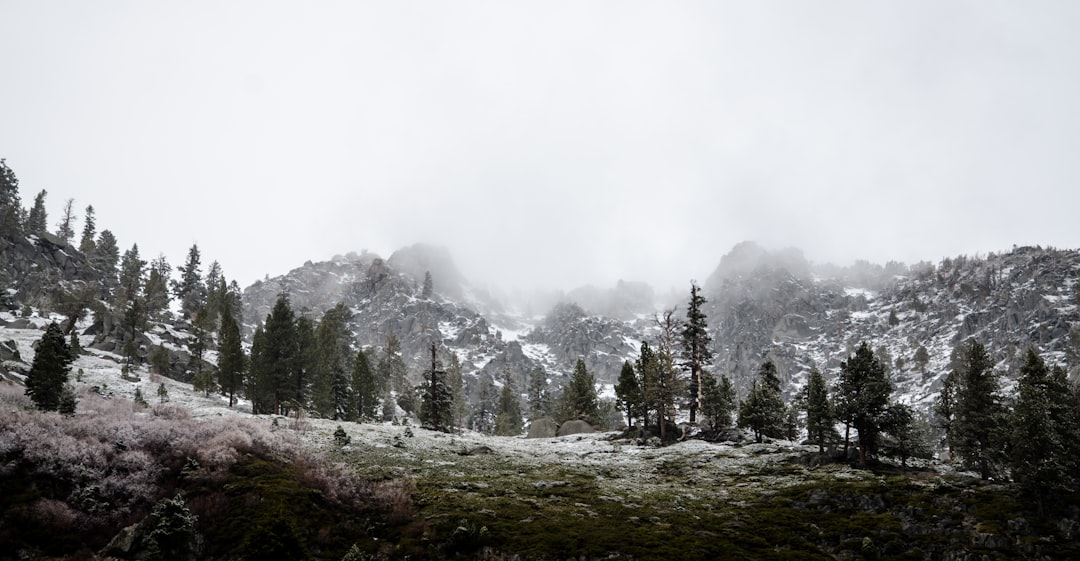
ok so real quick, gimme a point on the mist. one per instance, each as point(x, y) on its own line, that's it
point(554, 144)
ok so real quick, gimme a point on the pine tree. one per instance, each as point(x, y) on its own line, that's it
point(719, 401)
point(763, 410)
point(65, 229)
point(10, 204)
point(628, 397)
point(538, 394)
point(455, 378)
point(86, 242)
point(862, 397)
point(162, 393)
point(332, 366)
point(429, 286)
point(945, 410)
point(190, 289)
point(305, 345)
point(436, 408)
point(230, 357)
point(667, 385)
point(695, 348)
point(483, 416)
point(156, 290)
point(278, 358)
point(215, 292)
point(978, 431)
point(159, 359)
point(646, 367)
point(365, 391)
point(107, 255)
point(49, 371)
point(579, 399)
point(391, 370)
point(1044, 447)
point(904, 435)
point(259, 385)
point(820, 419)
point(204, 381)
point(508, 418)
point(37, 220)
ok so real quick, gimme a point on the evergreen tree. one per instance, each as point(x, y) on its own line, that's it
point(37, 220)
point(331, 367)
point(945, 409)
point(922, 358)
point(436, 408)
point(1045, 450)
point(646, 367)
point(820, 419)
point(156, 291)
point(259, 387)
point(65, 229)
point(978, 430)
point(215, 292)
point(719, 401)
point(204, 380)
point(483, 417)
point(49, 371)
point(579, 399)
point(455, 379)
point(763, 410)
point(162, 393)
point(305, 345)
point(159, 359)
point(428, 286)
point(277, 362)
point(538, 394)
point(190, 289)
point(862, 397)
point(628, 397)
point(86, 242)
point(904, 435)
point(107, 255)
point(230, 357)
point(508, 419)
point(365, 391)
point(695, 348)
point(391, 370)
point(128, 301)
point(667, 385)
point(10, 204)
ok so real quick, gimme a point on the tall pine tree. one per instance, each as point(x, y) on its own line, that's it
point(696, 353)
point(49, 372)
point(365, 391)
point(436, 408)
point(508, 418)
point(862, 398)
point(978, 429)
point(820, 419)
point(230, 357)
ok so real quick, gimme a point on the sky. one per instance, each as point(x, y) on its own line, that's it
point(549, 144)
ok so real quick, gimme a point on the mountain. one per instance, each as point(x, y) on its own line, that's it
point(761, 304)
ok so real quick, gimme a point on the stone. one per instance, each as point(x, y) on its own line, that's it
point(544, 427)
point(575, 426)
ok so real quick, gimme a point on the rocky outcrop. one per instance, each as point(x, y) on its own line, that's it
point(544, 427)
point(603, 343)
point(575, 426)
point(35, 270)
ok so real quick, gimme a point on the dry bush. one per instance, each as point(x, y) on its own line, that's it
point(395, 496)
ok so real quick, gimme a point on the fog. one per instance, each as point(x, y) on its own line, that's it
point(550, 144)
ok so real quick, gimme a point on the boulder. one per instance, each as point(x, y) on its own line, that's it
point(544, 427)
point(575, 426)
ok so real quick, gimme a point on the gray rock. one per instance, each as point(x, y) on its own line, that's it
point(544, 427)
point(575, 426)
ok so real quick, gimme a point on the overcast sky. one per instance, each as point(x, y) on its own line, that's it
point(550, 143)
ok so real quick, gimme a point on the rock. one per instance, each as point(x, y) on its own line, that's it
point(544, 427)
point(575, 426)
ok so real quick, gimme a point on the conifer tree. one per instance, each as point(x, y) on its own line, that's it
point(331, 367)
point(365, 391)
point(86, 242)
point(65, 229)
point(719, 401)
point(49, 371)
point(1044, 447)
point(259, 385)
point(696, 353)
point(945, 410)
point(862, 397)
point(820, 419)
point(305, 346)
point(538, 394)
point(190, 289)
point(107, 255)
point(429, 286)
point(37, 220)
point(436, 408)
point(10, 204)
point(391, 370)
point(667, 385)
point(978, 430)
point(162, 393)
point(763, 410)
point(483, 416)
point(904, 434)
point(156, 290)
point(646, 368)
point(508, 418)
point(628, 397)
point(455, 378)
point(230, 357)
point(278, 358)
point(579, 399)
